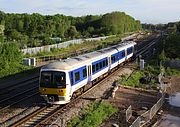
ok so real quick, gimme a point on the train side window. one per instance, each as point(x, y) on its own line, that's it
point(112, 59)
point(101, 65)
point(106, 62)
point(93, 68)
point(97, 66)
point(129, 50)
point(116, 57)
point(123, 54)
point(84, 73)
point(77, 76)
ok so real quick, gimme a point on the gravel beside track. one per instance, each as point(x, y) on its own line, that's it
point(18, 114)
point(100, 91)
point(21, 110)
point(16, 99)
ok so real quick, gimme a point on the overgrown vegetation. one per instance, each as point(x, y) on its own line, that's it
point(31, 30)
point(10, 59)
point(167, 49)
point(140, 79)
point(93, 115)
point(12, 67)
point(172, 72)
point(133, 80)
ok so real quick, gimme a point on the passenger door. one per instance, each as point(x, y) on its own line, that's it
point(89, 73)
point(109, 63)
point(69, 86)
point(71, 78)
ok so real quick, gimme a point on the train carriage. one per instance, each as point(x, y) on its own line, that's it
point(61, 79)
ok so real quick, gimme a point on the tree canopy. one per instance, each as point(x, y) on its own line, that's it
point(34, 29)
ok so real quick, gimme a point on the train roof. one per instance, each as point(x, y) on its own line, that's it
point(81, 59)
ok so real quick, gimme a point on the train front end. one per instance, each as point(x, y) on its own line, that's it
point(53, 86)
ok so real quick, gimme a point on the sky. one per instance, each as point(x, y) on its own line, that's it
point(147, 11)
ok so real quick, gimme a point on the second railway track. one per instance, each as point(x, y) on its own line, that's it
point(44, 116)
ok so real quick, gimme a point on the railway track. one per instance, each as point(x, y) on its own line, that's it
point(48, 120)
point(146, 47)
point(16, 101)
point(8, 99)
point(8, 102)
point(12, 87)
point(46, 114)
point(34, 118)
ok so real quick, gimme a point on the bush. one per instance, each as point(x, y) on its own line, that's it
point(133, 80)
point(93, 116)
point(172, 72)
point(10, 59)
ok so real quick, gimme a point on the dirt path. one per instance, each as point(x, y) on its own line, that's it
point(124, 97)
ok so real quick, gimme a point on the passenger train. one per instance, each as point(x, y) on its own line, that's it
point(61, 80)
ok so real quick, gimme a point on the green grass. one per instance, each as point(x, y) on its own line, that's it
point(133, 80)
point(93, 115)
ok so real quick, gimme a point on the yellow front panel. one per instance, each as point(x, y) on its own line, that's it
point(57, 91)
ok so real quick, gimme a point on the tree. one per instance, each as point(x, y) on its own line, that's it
point(118, 23)
point(71, 32)
point(90, 30)
point(10, 55)
point(36, 27)
point(172, 45)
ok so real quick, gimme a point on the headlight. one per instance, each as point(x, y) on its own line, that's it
point(60, 91)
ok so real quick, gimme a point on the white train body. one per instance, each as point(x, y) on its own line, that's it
point(59, 80)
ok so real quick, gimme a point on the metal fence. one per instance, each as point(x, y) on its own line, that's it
point(148, 115)
point(48, 48)
point(172, 63)
point(128, 113)
point(156, 107)
point(42, 60)
point(51, 58)
point(136, 123)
